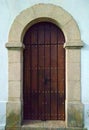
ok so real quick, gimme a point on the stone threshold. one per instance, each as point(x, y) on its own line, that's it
point(40, 128)
point(47, 125)
point(52, 129)
point(44, 124)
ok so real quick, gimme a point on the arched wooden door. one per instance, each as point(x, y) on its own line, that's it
point(44, 73)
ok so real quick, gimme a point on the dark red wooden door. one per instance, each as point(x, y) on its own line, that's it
point(44, 73)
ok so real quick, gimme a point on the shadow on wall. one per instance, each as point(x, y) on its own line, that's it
point(86, 46)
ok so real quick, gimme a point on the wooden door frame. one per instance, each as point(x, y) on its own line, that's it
point(60, 17)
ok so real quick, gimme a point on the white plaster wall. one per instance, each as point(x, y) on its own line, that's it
point(9, 9)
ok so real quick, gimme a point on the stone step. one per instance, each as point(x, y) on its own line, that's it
point(39, 128)
point(42, 128)
point(47, 125)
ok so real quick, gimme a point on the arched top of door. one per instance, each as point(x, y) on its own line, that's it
point(44, 12)
point(44, 33)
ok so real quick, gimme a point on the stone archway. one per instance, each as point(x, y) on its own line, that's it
point(58, 16)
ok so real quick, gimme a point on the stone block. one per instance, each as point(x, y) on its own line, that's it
point(72, 31)
point(13, 128)
point(13, 115)
point(40, 128)
point(75, 115)
point(61, 16)
point(73, 44)
point(73, 71)
point(43, 10)
point(15, 56)
point(73, 55)
point(75, 128)
point(74, 91)
point(15, 73)
point(14, 89)
point(26, 17)
point(15, 32)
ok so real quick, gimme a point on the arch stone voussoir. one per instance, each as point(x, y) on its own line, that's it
point(47, 12)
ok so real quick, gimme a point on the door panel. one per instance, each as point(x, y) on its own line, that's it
point(44, 73)
point(47, 34)
point(41, 34)
point(53, 105)
point(53, 34)
point(47, 57)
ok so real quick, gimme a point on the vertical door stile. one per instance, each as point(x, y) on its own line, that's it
point(44, 78)
point(37, 77)
point(53, 73)
point(50, 71)
point(41, 72)
point(57, 74)
point(47, 72)
point(30, 79)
